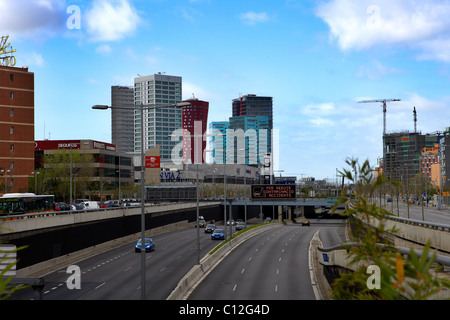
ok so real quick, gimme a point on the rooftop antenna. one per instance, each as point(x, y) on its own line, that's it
point(415, 120)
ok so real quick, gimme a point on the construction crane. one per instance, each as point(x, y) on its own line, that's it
point(384, 109)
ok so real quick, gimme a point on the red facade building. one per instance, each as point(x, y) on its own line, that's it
point(194, 122)
point(16, 128)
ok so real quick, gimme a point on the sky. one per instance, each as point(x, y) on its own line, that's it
point(317, 59)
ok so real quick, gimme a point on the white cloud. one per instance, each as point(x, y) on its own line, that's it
point(104, 49)
point(360, 25)
point(375, 70)
point(32, 18)
point(318, 109)
point(111, 20)
point(252, 18)
point(31, 59)
point(321, 122)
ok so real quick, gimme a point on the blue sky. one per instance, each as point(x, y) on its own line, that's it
point(315, 58)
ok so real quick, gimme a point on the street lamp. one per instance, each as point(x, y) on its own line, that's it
point(141, 108)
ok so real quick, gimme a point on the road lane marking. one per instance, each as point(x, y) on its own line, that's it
point(99, 285)
point(234, 288)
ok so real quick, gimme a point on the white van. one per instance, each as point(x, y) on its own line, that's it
point(90, 204)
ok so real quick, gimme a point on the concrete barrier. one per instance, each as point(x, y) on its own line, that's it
point(34, 222)
point(210, 261)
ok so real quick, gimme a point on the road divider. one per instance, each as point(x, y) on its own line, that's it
point(197, 273)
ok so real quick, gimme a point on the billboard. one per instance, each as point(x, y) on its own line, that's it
point(273, 192)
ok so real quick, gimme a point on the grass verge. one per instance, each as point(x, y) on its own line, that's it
point(237, 234)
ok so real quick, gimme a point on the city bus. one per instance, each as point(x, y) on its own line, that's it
point(25, 203)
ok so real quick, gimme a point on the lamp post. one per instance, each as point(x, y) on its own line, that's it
point(141, 108)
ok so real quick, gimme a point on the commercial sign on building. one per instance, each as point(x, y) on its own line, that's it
point(273, 192)
point(104, 146)
point(6, 57)
point(152, 162)
point(56, 144)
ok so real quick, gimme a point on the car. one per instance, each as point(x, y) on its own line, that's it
point(149, 245)
point(200, 224)
point(267, 220)
point(218, 234)
point(305, 223)
point(240, 225)
point(210, 228)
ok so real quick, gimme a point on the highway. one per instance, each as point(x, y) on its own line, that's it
point(430, 213)
point(116, 273)
point(272, 265)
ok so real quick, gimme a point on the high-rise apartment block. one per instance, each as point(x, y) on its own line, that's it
point(16, 128)
point(122, 118)
point(402, 153)
point(159, 123)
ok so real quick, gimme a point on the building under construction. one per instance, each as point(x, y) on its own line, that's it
point(402, 151)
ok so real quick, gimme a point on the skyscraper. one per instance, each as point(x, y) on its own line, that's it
point(122, 120)
point(160, 90)
point(251, 133)
point(194, 120)
point(218, 143)
point(253, 105)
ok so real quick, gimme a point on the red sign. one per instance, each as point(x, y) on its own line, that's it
point(152, 162)
point(56, 144)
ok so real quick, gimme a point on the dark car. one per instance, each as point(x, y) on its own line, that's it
point(210, 228)
point(149, 245)
point(200, 224)
point(218, 234)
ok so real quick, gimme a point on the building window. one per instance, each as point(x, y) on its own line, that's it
point(11, 148)
point(11, 130)
point(11, 95)
point(11, 77)
point(11, 112)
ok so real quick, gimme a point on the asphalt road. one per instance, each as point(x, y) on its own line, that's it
point(116, 273)
point(272, 265)
point(429, 213)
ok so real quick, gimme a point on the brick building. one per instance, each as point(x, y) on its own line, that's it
point(16, 128)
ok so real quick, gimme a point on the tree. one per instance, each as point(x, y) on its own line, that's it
point(397, 274)
point(56, 173)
